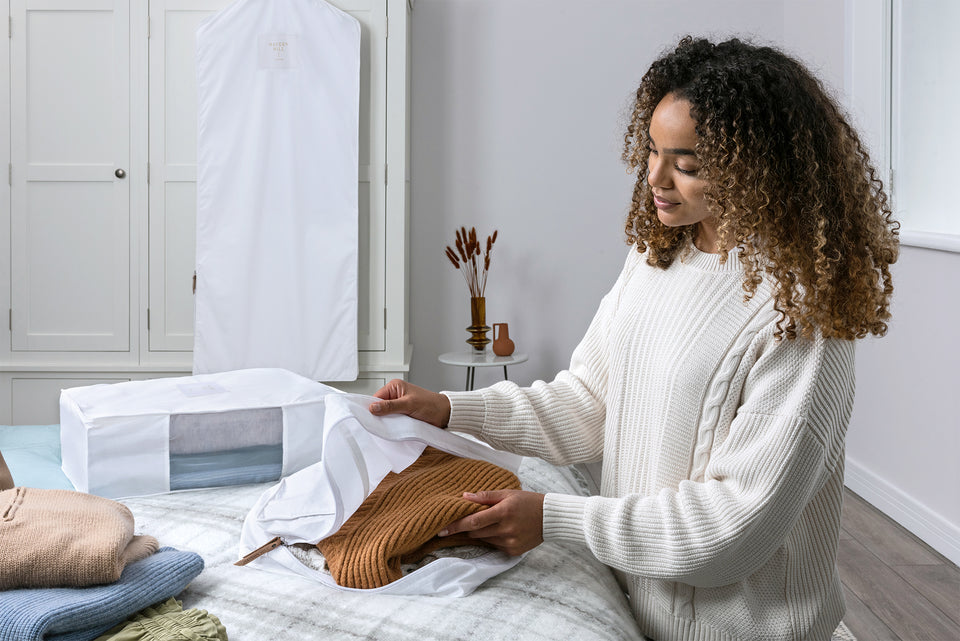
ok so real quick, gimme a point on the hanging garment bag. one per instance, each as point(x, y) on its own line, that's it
point(278, 86)
point(359, 450)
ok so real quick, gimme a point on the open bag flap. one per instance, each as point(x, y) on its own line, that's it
point(359, 450)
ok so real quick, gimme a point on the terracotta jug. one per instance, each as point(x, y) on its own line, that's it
point(502, 345)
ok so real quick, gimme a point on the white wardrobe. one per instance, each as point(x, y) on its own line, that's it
point(97, 219)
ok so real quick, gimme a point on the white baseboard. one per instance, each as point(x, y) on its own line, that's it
point(940, 534)
point(931, 240)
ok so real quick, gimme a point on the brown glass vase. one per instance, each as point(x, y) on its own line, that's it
point(478, 323)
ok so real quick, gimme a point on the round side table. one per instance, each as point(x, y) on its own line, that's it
point(473, 359)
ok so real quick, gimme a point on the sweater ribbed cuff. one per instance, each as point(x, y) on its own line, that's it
point(467, 411)
point(563, 518)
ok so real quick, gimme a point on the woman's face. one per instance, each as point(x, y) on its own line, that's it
point(673, 170)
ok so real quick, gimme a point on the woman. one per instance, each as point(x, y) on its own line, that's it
point(716, 380)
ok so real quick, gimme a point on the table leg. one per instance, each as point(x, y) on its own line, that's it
point(505, 373)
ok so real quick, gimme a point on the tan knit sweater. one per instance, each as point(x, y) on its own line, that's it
point(399, 521)
point(61, 538)
point(722, 453)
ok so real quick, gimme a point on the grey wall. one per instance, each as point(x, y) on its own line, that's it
point(519, 108)
point(903, 444)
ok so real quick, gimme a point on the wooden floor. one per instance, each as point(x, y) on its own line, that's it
point(897, 587)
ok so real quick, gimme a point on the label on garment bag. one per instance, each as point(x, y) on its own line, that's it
point(193, 390)
point(277, 50)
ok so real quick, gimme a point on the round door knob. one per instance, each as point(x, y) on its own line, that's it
point(120, 173)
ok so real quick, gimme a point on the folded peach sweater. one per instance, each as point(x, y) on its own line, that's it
point(61, 538)
point(399, 521)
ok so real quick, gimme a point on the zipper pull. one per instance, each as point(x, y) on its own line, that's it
point(272, 544)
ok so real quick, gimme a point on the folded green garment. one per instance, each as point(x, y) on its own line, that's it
point(168, 621)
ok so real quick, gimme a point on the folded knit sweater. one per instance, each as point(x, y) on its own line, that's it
point(61, 538)
point(399, 521)
point(81, 614)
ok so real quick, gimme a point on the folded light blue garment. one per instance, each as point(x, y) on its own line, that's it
point(83, 614)
point(242, 466)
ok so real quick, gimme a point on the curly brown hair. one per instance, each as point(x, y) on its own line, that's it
point(788, 180)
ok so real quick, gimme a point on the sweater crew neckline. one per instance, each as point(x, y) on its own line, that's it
point(696, 259)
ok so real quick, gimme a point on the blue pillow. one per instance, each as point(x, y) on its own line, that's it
point(32, 453)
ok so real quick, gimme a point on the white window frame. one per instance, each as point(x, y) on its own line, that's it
point(873, 44)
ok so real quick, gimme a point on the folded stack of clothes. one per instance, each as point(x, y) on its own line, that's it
point(236, 447)
point(72, 569)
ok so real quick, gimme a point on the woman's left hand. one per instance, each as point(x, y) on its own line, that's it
point(513, 523)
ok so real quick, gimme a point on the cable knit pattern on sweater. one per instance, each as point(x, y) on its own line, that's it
point(722, 452)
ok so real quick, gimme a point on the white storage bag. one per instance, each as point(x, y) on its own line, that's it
point(147, 437)
point(359, 450)
point(278, 108)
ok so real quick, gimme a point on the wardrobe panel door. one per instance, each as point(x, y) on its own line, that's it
point(70, 152)
point(36, 397)
point(371, 316)
point(173, 169)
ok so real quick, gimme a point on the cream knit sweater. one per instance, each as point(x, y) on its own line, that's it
point(722, 453)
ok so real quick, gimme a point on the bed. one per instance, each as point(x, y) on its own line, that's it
point(555, 592)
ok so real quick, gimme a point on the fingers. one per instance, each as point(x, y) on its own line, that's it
point(393, 389)
point(389, 407)
point(513, 522)
point(394, 398)
point(477, 521)
point(489, 497)
point(471, 523)
point(401, 397)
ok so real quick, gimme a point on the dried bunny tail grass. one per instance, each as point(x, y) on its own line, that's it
point(460, 248)
point(486, 268)
point(471, 259)
point(490, 241)
point(453, 257)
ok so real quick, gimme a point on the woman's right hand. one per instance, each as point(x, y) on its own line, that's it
point(401, 397)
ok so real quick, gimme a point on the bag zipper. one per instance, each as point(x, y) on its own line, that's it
point(272, 544)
